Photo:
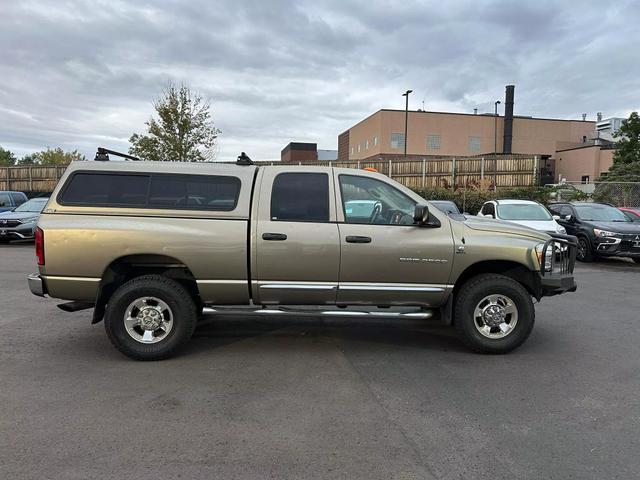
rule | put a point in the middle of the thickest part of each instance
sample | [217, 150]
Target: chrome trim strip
[223, 282]
[298, 286]
[72, 279]
[394, 287]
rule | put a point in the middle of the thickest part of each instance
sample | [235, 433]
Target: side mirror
[569, 218]
[421, 214]
[556, 217]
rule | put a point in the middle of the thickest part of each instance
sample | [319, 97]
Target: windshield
[600, 213]
[36, 205]
[445, 206]
[523, 211]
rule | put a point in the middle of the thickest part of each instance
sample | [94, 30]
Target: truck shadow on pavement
[217, 331]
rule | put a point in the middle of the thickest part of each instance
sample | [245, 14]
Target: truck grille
[562, 255]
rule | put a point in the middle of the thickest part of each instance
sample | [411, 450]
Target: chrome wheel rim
[495, 316]
[148, 320]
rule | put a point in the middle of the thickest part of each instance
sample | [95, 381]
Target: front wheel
[585, 252]
[494, 313]
[150, 317]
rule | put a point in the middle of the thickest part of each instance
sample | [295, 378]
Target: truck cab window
[300, 197]
[367, 200]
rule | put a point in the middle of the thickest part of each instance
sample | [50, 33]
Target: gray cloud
[79, 74]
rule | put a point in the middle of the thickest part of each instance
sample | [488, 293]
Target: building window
[375, 141]
[397, 140]
[351, 150]
[433, 142]
[474, 144]
[358, 148]
[366, 144]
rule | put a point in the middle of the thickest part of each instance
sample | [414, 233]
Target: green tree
[626, 159]
[29, 159]
[53, 156]
[7, 158]
[184, 130]
[628, 140]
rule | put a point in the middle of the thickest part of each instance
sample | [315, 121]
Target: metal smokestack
[508, 119]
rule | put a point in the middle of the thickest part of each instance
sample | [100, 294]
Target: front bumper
[21, 232]
[559, 254]
[36, 284]
[619, 246]
[556, 284]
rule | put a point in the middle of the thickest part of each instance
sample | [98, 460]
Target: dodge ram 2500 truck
[149, 245]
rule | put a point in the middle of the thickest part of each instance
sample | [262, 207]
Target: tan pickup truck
[150, 245]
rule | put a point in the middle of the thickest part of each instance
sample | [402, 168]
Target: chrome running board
[318, 311]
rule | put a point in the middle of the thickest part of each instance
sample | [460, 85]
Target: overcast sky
[80, 74]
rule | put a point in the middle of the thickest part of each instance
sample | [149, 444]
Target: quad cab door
[385, 258]
[295, 241]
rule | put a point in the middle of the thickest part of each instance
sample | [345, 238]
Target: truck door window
[370, 201]
[300, 197]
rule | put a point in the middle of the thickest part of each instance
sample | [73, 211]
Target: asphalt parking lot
[311, 398]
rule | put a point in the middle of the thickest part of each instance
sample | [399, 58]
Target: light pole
[495, 144]
[495, 128]
[406, 120]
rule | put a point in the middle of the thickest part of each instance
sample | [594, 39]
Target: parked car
[10, 200]
[446, 206]
[148, 245]
[632, 214]
[602, 230]
[20, 223]
[523, 212]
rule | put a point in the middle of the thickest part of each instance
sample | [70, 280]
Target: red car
[632, 214]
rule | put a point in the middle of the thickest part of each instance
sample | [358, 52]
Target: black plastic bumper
[555, 285]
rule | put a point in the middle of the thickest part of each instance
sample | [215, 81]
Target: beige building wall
[576, 163]
[372, 136]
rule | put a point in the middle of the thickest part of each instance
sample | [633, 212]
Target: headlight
[548, 256]
[603, 233]
[29, 220]
[562, 230]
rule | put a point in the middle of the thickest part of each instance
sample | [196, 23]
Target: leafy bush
[471, 200]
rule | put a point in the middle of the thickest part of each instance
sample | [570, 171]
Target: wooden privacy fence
[507, 170]
[31, 178]
[511, 171]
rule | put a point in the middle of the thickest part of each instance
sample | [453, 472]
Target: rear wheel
[150, 317]
[585, 252]
[494, 313]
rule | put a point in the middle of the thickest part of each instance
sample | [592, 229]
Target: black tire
[585, 252]
[176, 297]
[473, 292]
[4, 240]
